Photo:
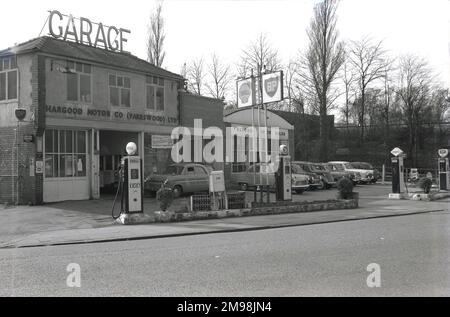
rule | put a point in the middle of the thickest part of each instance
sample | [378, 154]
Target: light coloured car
[256, 175]
[182, 178]
[338, 172]
[366, 175]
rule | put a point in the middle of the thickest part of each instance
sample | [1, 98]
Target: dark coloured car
[182, 178]
[326, 181]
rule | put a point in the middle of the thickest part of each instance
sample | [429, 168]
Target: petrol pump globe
[131, 148]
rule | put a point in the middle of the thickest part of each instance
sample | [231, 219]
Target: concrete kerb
[266, 227]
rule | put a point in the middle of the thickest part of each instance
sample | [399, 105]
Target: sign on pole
[246, 92]
[396, 152]
[443, 153]
[272, 87]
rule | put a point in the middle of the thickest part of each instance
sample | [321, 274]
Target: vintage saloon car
[368, 167]
[182, 178]
[366, 175]
[255, 174]
[338, 172]
[326, 181]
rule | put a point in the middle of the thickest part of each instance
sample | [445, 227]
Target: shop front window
[65, 153]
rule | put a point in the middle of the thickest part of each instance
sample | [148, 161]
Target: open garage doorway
[112, 149]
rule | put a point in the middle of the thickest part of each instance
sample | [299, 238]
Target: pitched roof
[49, 45]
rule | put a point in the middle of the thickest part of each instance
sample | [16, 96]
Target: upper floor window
[8, 78]
[119, 91]
[79, 82]
[155, 93]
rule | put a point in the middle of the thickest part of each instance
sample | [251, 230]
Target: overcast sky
[199, 28]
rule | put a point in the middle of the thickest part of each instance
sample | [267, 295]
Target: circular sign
[284, 149]
[244, 92]
[131, 148]
[443, 153]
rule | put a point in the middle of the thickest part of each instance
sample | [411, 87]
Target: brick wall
[17, 158]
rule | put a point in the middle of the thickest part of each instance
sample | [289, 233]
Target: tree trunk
[363, 100]
[323, 154]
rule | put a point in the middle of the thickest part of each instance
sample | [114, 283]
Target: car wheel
[243, 186]
[322, 185]
[177, 191]
[299, 191]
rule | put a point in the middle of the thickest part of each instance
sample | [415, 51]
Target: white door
[66, 175]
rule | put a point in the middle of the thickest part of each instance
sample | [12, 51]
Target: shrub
[345, 188]
[425, 184]
[164, 196]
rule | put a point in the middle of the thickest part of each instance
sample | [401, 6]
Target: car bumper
[152, 186]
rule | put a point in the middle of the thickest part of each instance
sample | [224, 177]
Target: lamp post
[20, 115]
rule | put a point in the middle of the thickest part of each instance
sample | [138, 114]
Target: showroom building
[83, 105]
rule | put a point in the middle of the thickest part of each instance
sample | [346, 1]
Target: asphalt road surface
[412, 252]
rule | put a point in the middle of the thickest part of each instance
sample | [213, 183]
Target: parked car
[369, 167]
[313, 179]
[182, 178]
[326, 181]
[366, 175]
[338, 172]
[255, 175]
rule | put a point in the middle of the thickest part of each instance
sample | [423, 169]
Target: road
[413, 253]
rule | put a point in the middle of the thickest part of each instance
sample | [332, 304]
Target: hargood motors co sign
[84, 31]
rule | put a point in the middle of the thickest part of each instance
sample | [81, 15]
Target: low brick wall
[270, 209]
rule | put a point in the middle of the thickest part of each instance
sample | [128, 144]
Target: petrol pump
[398, 178]
[283, 177]
[130, 185]
[443, 169]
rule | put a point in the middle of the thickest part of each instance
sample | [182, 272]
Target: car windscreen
[297, 169]
[305, 167]
[319, 168]
[366, 166]
[174, 170]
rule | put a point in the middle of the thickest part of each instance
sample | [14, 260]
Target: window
[65, 153]
[79, 82]
[155, 93]
[119, 91]
[200, 170]
[8, 78]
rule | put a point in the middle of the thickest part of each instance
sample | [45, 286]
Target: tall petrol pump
[130, 185]
[398, 178]
[443, 169]
[283, 176]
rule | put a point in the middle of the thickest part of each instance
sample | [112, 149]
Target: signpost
[271, 90]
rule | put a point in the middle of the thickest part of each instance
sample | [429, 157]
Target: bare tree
[348, 79]
[156, 37]
[369, 62]
[257, 58]
[414, 89]
[320, 65]
[219, 78]
[195, 75]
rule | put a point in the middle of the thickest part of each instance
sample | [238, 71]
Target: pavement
[90, 221]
